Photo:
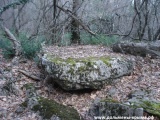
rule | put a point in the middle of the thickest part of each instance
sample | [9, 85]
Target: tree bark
[54, 32]
[75, 33]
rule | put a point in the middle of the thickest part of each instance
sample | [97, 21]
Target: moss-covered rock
[110, 107]
[47, 108]
[151, 107]
[139, 102]
[146, 100]
[84, 73]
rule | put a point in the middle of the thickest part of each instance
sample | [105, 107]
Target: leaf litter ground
[146, 76]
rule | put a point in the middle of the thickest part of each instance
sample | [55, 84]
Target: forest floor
[146, 76]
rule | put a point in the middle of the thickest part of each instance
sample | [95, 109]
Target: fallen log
[141, 48]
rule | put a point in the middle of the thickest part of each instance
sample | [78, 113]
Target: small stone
[112, 91]
[19, 110]
[139, 112]
[54, 117]
[4, 99]
[127, 103]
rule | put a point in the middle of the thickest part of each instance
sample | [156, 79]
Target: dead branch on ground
[30, 75]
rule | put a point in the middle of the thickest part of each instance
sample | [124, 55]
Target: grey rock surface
[109, 108]
[46, 108]
[139, 102]
[85, 73]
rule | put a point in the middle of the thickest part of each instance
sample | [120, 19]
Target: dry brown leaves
[146, 75]
[10, 103]
[80, 51]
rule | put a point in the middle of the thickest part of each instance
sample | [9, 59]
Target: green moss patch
[47, 108]
[28, 86]
[24, 104]
[151, 107]
[106, 60]
[53, 59]
[89, 61]
[87, 64]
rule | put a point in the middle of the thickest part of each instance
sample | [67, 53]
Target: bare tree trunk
[79, 21]
[55, 8]
[142, 10]
[75, 38]
[54, 21]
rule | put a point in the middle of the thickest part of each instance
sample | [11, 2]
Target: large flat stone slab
[87, 72]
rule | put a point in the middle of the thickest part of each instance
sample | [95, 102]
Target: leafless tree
[130, 19]
[74, 24]
[143, 20]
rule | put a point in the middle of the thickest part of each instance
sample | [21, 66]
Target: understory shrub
[98, 39]
[7, 49]
[89, 39]
[29, 47]
[65, 41]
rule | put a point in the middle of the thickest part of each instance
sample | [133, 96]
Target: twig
[30, 75]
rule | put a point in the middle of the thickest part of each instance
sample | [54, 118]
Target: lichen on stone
[89, 72]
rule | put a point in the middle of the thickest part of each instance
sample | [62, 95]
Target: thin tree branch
[77, 19]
